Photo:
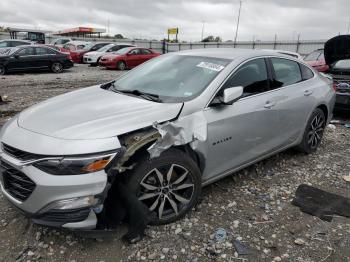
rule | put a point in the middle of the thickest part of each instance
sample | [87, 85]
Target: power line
[239, 17]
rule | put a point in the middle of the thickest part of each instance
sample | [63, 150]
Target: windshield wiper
[151, 97]
[148, 96]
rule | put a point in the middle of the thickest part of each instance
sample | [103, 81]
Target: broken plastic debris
[346, 178]
[220, 235]
[187, 130]
[332, 127]
[240, 248]
[320, 203]
[337, 122]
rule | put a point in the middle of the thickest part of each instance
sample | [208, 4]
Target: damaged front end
[121, 204]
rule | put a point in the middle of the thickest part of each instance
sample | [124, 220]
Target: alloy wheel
[316, 131]
[167, 190]
[121, 66]
[57, 67]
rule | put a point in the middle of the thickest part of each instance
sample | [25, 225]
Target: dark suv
[25, 58]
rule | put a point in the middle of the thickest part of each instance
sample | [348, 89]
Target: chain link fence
[302, 47]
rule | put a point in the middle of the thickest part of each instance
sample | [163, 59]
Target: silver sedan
[168, 127]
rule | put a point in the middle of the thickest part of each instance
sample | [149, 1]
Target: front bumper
[90, 60]
[49, 189]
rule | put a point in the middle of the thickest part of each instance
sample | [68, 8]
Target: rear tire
[313, 133]
[57, 67]
[121, 65]
[169, 185]
[2, 70]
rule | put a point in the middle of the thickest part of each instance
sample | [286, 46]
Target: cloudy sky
[260, 19]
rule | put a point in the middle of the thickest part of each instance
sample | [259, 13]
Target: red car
[316, 60]
[77, 55]
[128, 57]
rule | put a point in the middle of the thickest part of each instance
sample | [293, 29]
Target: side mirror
[231, 95]
[16, 56]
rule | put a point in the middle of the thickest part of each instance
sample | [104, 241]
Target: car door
[246, 130]
[43, 57]
[293, 96]
[23, 59]
[145, 55]
[134, 57]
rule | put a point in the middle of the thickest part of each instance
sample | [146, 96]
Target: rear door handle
[308, 92]
[269, 104]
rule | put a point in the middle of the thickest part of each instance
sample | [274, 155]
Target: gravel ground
[253, 206]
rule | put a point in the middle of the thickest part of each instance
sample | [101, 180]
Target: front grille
[342, 83]
[19, 154]
[16, 183]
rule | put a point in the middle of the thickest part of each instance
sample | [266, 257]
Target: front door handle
[308, 92]
[269, 104]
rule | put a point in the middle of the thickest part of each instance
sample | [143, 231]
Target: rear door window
[145, 52]
[306, 72]
[41, 51]
[287, 72]
[252, 76]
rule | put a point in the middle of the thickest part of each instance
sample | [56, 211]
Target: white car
[61, 41]
[93, 58]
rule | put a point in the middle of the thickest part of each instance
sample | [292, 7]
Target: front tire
[2, 70]
[314, 132]
[169, 185]
[121, 65]
[57, 67]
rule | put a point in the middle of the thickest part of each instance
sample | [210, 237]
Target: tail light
[334, 85]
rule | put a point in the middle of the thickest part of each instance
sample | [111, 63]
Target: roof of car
[16, 40]
[229, 53]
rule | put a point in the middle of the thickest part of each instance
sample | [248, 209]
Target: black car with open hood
[337, 56]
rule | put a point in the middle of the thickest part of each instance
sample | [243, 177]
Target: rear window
[287, 72]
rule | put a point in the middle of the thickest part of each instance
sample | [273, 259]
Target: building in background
[89, 32]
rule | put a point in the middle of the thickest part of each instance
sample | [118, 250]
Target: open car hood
[337, 48]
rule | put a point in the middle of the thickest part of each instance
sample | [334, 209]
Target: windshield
[342, 64]
[122, 51]
[105, 48]
[174, 78]
[88, 46]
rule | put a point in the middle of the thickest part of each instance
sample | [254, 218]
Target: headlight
[75, 165]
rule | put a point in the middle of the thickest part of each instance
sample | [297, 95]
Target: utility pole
[108, 27]
[203, 22]
[239, 17]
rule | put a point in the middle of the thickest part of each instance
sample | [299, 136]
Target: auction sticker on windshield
[211, 66]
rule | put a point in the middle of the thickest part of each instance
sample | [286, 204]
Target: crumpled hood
[93, 113]
[337, 48]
